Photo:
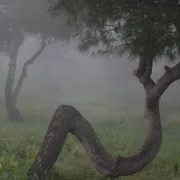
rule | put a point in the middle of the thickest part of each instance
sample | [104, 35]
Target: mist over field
[63, 74]
[103, 89]
[42, 68]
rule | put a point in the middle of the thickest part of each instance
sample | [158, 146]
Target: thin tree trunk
[24, 70]
[67, 119]
[12, 112]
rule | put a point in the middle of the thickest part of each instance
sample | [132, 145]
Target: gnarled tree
[147, 30]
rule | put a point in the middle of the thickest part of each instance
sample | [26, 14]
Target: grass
[121, 132]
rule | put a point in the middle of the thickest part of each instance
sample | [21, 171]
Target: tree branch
[143, 73]
[25, 67]
[68, 119]
[171, 75]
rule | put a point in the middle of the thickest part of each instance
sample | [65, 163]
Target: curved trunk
[67, 119]
[23, 74]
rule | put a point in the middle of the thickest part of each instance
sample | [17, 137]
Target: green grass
[121, 132]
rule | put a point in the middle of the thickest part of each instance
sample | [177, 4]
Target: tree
[147, 30]
[19, 19]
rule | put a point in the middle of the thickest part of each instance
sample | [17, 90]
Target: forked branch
[170, 75]
[143, 73]
[67, 119]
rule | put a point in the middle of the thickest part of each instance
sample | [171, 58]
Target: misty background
[42, 68]
[63, 75]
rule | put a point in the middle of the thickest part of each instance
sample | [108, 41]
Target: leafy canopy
[137, 27]
[32, 18]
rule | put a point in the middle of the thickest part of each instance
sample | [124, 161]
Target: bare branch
[25, 67]
[143, 73]
[171, 75]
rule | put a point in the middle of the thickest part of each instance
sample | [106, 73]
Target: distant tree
[19, 19]
[147, 30]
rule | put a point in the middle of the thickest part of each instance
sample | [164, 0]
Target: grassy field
[121, 130]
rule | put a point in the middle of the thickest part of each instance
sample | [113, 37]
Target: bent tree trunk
[12, 112]
[11, 96]
[67, 119]
[23, 74]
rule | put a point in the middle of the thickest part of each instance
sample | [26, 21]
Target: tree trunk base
[68, 119]
[14, 115]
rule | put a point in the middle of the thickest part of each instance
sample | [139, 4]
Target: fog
[41, 68]
[61, 74]
[65, 75]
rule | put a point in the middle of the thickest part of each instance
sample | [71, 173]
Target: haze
[64, 75]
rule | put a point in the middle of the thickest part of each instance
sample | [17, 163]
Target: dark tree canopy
[137, 27]
[32, 18]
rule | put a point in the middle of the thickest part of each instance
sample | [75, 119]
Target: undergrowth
[120, 134]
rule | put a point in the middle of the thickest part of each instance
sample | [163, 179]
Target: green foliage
[145, 28]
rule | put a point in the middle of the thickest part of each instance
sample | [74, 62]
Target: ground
[121, 131]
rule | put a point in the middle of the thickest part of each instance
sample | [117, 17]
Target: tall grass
[121, 130]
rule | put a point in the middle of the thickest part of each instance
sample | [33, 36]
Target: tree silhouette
[19, 19]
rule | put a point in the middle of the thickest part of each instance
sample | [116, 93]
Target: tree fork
[68, 119]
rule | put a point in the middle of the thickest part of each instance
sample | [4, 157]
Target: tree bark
[12, 112]
[67, 119]
[145, 66]
[25, 68]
